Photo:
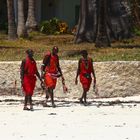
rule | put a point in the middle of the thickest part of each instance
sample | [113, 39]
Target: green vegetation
[126, 50]
[53, 26]
[136, 31]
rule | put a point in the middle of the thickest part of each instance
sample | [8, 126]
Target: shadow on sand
[69, 103]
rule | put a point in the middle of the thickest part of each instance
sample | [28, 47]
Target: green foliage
[127, 41]
[136, 31]
[53, 26]
[50, 27]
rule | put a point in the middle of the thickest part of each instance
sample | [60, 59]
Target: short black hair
[84, 52]
[29, 51]
[55, 48]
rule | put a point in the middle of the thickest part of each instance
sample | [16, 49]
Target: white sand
[71, 121]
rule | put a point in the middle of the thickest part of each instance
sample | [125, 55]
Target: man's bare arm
[78, 72]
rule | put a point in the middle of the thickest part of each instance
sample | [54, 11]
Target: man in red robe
[85, 69]
[50, 72]
[28, 73]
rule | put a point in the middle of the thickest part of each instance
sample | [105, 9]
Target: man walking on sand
[51, 70]
[28, 73]
[85, 69]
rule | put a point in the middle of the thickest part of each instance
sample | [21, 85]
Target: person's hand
[42, 85]
[65, 89]
[76, 81]
[42, 75]
[63, 80]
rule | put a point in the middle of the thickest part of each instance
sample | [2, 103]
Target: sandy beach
[102, 119]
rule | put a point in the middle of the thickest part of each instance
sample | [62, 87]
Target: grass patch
[127, 50]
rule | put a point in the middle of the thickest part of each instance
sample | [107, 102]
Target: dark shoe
[26, 108]
[81, 101]
[53, 105]
[31, 109]
[45, 105]
[85, 103]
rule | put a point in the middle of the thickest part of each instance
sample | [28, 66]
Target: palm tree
[102, 21]
[21, 29]
[11, 20]
[31, 22]
[135, 8]
[87, 19]
[102, 38]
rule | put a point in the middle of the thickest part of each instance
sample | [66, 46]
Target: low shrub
[136, 31]
[53, 26]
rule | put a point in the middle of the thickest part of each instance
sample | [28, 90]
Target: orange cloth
[50, 80]
[29, 79]
[85, 73]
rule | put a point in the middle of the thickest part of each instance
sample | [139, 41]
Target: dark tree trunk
[21, 28]
[135, 8]
[11, 20]
[102, 38]
[120, 19]
[114, 23]
[31, 22]
[3, 14]
[86, 31]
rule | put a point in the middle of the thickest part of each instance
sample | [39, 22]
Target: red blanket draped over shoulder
[51, 70]
[29, 80]
[85, 73]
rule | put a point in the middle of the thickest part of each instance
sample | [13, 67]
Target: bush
[53, 26]
[136, 31]
[63, 27]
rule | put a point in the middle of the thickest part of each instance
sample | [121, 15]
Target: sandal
[26, 108]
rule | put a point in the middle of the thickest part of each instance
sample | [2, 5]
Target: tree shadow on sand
[69, 103]
[65, 103]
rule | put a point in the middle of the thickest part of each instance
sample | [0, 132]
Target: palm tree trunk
[103, 20]
[31, 22]
[11, 20]
[102, 39]
[21, 29]
[87, 21]
[136, 12]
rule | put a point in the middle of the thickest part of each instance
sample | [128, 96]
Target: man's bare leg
[81, 99]
[30, 101]
[85, 98]
[52, 97]
[25, 103]
[46, 99]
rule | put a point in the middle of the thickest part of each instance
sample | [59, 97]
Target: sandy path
[71, 121]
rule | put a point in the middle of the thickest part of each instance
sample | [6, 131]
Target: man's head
[47, 53]
[55, 50]
[30, 53]
[84, 53]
